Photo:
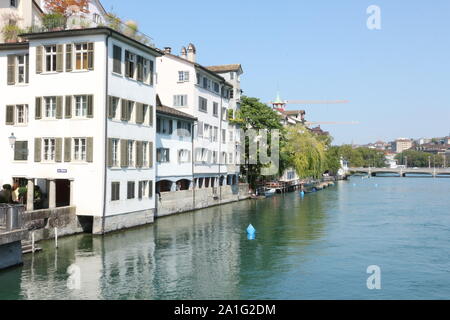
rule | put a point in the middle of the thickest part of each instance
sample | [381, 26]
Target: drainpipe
[192, 164]
[105, 175]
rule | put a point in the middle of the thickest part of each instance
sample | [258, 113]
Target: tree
[306, 152]
[420, 159]
[256, 115]
[65, 7]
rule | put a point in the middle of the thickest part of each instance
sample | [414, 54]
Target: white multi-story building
[187, 86]
[79, 107]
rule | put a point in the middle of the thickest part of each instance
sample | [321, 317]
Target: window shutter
[110, 107]
[139, 154]
[90, 106]
[124, 110]
[11, 69]
[68, 111]
[39, 57]
[110, 152]
[38, 108]
[170, 126]
[37, 149]
[91, 56]
[67, 149]
[9, 115]
[124, 153]
[58, 149]
[59, 107]
[130, 103]
[150, 189]
[150, 154]
[140, 189]
[151, 71]
[69, 57]
[90, 149]
[27, 68]
[150, 115]
[60, 58]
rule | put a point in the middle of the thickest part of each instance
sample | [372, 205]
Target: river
[318, 247]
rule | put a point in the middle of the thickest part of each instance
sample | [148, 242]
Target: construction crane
[308, 123]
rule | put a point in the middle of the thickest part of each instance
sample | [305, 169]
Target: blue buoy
[302, 194]
[251, 236]
[251, 230]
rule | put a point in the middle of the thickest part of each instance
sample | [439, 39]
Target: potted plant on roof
[113, 22]
[11, 33]
[54, 21]
[131, 29]
[61, 10]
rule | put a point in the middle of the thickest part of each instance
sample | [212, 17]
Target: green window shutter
[9, 115]
[59, 107]
[91, 56]
[124, 153]
[58, 149]
[38, 108]
[150, 154]
[110, 152]
[90, 149]
[68, 110]
[124, 110]
[60, 58]
[11, 69]
[37, 149]
[110, 107]
[39, 59]
[90, 106]
[67, 149]
[69, 57]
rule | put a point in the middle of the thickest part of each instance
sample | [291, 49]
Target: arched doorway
[164, 186]
[221, 180]
[183, 184]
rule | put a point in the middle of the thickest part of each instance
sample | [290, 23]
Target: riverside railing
[79, 22]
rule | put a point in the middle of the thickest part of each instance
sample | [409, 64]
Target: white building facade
[185, 85]
[80, 105]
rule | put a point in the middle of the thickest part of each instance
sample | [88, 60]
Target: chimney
[184, 53]
[191, 53]
[167, 50]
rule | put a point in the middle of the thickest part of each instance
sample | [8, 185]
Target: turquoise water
[318, 247]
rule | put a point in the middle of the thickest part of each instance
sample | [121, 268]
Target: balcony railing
[78, 22]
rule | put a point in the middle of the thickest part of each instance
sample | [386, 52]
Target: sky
[396, 78]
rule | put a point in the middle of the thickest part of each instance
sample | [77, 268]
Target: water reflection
[200, 255]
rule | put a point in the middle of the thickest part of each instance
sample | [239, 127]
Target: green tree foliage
[363, 157]
[420, 159]
[305, 152]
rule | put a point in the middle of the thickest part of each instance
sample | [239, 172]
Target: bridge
[403, 172]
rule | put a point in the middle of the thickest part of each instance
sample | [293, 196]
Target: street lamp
[12, 140]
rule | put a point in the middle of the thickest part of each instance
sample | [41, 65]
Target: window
[216, 134]
[22, 69]
[184, 156]
[163, 155]
[215, 109]
[224, 158]
[81, 56]
[13, 3]
[21, 151]
[145, 162]
[143, 185]
[199, 79]
[117, 60]
[183, 76]
[224, 114]
[131, 153]
[180, 100]
[231, 93]
[214, 157]
[50, 107]
[205, 82]
[164, 126]
[79, 149]
[80, 106]
[147, 73]
[231, 136]
[206, 131]
[183, 128]
[202, 155]
[50, 58]
[224, 136]
[21, 114]
[200, 129]
[232, 75]
[216, 87]
[130, 64]
[202, 104]
[131, 190]
[49, 150]
[115, 152]
[114, 107]
[230, 157]
[130, 105]
[115, 191]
